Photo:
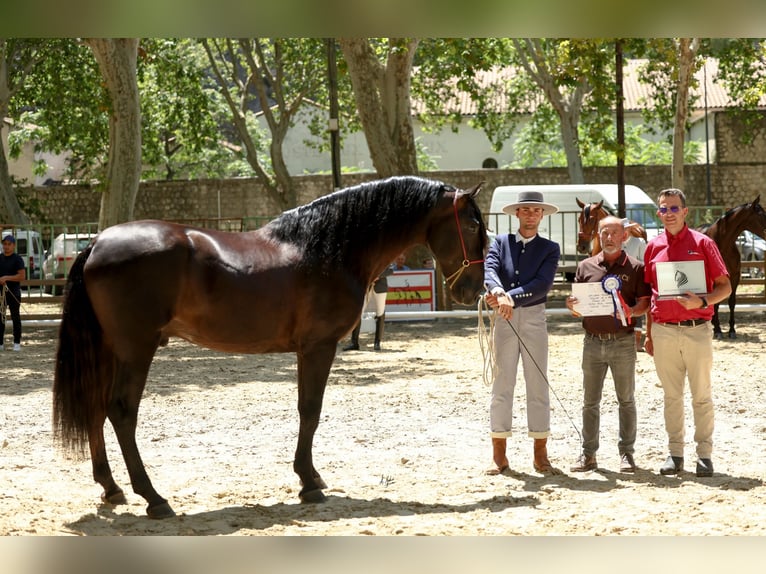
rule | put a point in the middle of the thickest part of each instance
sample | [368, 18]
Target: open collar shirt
[687, 245]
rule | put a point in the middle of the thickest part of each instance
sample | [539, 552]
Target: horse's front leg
[313, 370]
[717, 333]
[732, 304]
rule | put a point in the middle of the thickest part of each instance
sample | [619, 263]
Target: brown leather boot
[541, 463]
[498, 455]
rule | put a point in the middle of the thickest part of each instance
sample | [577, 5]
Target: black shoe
[704, 467]
[673, 465]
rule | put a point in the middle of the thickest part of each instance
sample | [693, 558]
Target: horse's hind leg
[732, 304]
[102, 473]
[130, 379]
[313, 370]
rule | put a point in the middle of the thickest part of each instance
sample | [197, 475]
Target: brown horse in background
[724, 231]
[587, 236]
[296, 285]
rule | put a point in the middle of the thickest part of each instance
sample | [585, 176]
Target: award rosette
[611, 284]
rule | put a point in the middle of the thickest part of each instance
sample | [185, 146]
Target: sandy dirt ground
[402, 445]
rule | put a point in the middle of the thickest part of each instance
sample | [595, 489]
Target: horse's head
[458, 239]
[758, 218]
[590, 215]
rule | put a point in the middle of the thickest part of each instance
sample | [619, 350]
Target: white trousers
[530, 324]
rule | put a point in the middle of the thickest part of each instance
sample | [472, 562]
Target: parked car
[752, 248]
[65, 247]
[29, 245]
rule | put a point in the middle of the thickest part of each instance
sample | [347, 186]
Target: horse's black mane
[369, 213]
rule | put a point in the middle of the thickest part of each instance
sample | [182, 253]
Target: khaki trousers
[680, 353]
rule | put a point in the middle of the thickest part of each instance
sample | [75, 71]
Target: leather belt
[687, 323]
[607, 336]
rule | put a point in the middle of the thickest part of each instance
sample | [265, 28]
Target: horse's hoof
[732, 335]
[114, 497]
[718, 336]
[312, 496]
[161, 510]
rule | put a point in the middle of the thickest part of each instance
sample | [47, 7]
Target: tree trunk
[117, 61]
[10, 210]
[566, 105]
[571, 141]
[382, 96]
[687, 50]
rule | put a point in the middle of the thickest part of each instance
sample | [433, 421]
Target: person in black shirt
[12, 272]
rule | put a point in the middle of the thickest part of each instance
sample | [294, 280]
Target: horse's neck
[595, 248]
[733, 225]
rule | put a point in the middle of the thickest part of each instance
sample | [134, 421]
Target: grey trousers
[619, 356]
[530, 324]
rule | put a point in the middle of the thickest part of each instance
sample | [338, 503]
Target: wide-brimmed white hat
[530, 199]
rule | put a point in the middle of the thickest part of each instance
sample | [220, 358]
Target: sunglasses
[672, 209]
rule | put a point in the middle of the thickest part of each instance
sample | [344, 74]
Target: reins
[453, 278]
[3, 303]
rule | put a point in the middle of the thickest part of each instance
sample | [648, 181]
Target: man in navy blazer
[518, 272]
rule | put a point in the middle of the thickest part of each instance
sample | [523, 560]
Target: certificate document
[592, 300]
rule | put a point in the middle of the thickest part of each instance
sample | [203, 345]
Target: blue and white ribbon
[611, 284]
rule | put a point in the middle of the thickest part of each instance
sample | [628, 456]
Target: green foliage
[539, 145]
[272, 77]
[63, 107]
[742, 69]
[179, 130]
[426, 162]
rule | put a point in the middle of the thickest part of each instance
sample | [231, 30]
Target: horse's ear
[600, 204]
[474, 191]
[757, 199]
[580, 203]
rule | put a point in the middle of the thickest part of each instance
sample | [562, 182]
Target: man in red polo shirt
[679, 334]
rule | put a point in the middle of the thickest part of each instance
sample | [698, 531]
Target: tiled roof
[636, 94]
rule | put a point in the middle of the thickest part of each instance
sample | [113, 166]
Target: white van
[562, 227]
[29, 245]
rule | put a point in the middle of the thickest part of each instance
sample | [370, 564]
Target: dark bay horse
[587, 235]
[724, 231]
[296, 285]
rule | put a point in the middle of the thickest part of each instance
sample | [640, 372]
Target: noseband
[452, 279]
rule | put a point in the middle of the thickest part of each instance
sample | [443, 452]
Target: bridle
[466, 263]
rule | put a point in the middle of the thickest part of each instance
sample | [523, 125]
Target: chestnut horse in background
[296, 285]
[587, 236]
[724, 231]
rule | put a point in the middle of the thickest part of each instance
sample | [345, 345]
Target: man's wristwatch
[704, 303]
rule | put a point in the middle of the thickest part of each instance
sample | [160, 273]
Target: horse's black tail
[80, 388]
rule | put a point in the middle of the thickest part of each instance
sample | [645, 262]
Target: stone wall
[737, 178]
[244, 198]
[740, 141]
